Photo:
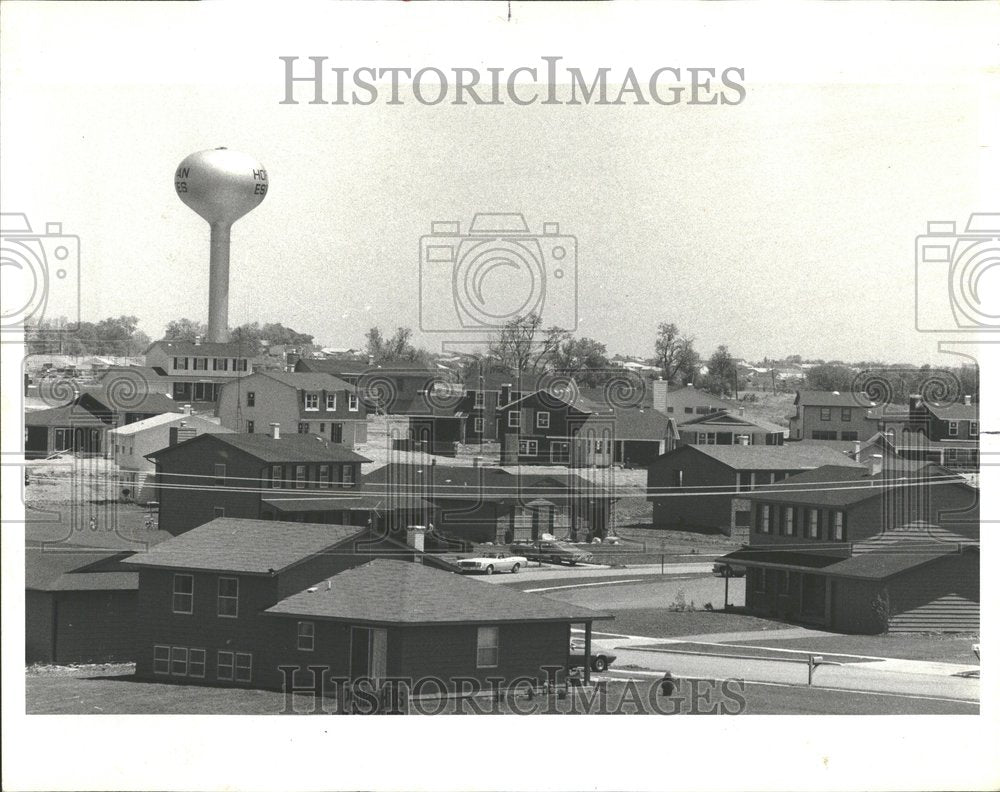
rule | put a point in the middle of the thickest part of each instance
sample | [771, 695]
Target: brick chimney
[276, 431]
[875, 465]
[415, 537]
[660, 389]
[968, 399]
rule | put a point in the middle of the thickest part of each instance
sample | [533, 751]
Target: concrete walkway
[583, 572]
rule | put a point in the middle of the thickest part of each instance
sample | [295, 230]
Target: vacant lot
[115, 525]
[661, 623]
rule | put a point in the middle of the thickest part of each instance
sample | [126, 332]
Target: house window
[337, 432]
[542, 420]
[224, 662]
[952, 428]
[178, 661]
[250, 427]
[821, 434]
[689, 409]
[276, 476]
[710, 438]
[477, 425]
[845, 414]
[838, 526]
[480, 400]
[304, 428]
[220, 364]
[201, 364]
[196, 663]
[229, 597]
[244, 667]
[678, 478]
[183, 594]
[744, 481]
[488, 647]
[514, 419]
[251, 398]
[347, 475]
[300, 477]
[181, 363]
[312, 402]
[789, 521]
[352, 402]
[306, 636]
[220, 473]
[702, 438]
[953, 455]
[813, 524]
[161, 659]
[764, 518]
[331, 402]
[824, 413]
[527, 447]
[974, 429]
[324, 476]
[219, 511]
[849, 435]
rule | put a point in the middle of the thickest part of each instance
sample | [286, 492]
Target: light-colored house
[130, 444]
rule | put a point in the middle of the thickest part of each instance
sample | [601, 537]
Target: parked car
[488, 563]
[551, 551]
[599, 661]
[727, 570]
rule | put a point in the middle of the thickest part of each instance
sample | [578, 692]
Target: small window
[178, 661]
[352, 402]
[845, 414]
[276, 476]
[514, 419]
[480, 400]
[764, 526]
[219, 511]
[183, 601]
[974, 429]
[220, 364]
[220, 474]
[324, 476]
[196, 663]
[331, 402]
[527, 448]
[711, 438]
[304, 428]
[789, 522]
[824, 413]
[306, 636]
[161, 659]
[300, 477]
[852, 435]
[477, 425]
[488, 647]
[312, 402]
[251, 398]
[744, 481]
[813, 524]
[952, 428]
[224, 666]
[229, 597]
[542, 420]
[250, 427]
[689, 410]
[244, 667]
[347, 475]
[838, 526]
[702, 438]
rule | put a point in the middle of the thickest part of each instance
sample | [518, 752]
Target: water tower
[221, 186]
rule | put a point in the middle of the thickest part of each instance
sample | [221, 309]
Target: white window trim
[220, 597]
[530, 448]
[538, 419]
[220, 665]
[352, 402]
[312, 398]
[838, 526]
[236, 667]
[300, 481]
[331, 402]
[175, 594]
[813, 527]
[477, 424]
[514, 419]
[952, 428]
[180, 652]
[494, 647]
[163, 658]
[203, 663]
[480, 400]
[973, 428]
[311, 636]
[765, 518]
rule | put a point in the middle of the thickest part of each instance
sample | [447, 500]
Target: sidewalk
[585, 571]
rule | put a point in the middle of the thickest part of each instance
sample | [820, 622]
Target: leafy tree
[675, 354]
[722, 378]
[830, 377]
[585, 359]
[397, 347]
[184, 330]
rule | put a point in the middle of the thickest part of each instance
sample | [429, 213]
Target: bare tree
[675, 353]
[522, 345]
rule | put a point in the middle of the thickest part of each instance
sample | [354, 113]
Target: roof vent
[836, 393]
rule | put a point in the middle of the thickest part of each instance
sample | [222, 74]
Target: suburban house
[705, 487]
[197, 370]
[947, 434]
[483, 393]
[386, 389]
[686, 400]
[429, 424]
[722, 428]
[304, 403]
[866, 550]
[832, 415]
[81, 425]
[391, 619]
[202, 595]
[488, 504]
[129, 446]
[79, 605]
[234, 475]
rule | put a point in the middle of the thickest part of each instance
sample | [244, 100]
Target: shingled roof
[310, 381]
[287, 448]
[818, 398]
[791, 456]
[402, 593]
[256, 547]
[869, 566]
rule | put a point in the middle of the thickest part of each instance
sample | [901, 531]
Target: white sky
[783, 225]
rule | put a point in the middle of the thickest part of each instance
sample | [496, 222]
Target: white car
[488, 563]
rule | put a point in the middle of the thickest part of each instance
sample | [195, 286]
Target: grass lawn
[943, 648]
[660, 623]
[116, 525]
[762, 652]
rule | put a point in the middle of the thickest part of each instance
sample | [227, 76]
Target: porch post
[586, 652]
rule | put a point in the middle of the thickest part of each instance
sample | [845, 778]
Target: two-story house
[234, 475]
[683, 402]
[947, 434]
[706, 487]
[865, 549]
[252, 604]
[483, 393]
[540, 428]
[303, 403]
[197, 370]
[833, 415]
[388, 389]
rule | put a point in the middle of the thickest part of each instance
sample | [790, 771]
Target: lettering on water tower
[180, 180]
[260, 182]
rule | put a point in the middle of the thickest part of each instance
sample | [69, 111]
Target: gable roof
[204, 349]
[288, 448]
[953, 412]
[120, 399]
[790, 456]
[725, 418]
[868, 566]
[169, 418]
[845, 486]
[74, 568]
[310, 380]
[818, 398]
[67, 415]
[403, 593]
[494, 380]
[256, 547]
[631, 423]
[404, 368]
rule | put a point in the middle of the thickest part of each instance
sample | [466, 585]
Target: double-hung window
[514, 419]
[229, 597]
[331, 402]
[488, 647]
[352, 402]
[542, 420]
[306, 636]
[183, 599]
[312, 402]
